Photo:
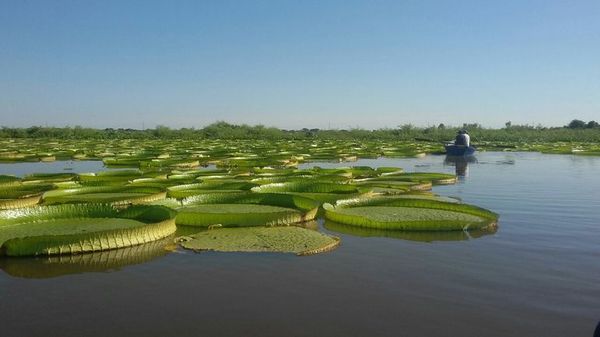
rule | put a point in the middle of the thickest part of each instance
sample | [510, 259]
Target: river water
[538, 275]
[61, 166]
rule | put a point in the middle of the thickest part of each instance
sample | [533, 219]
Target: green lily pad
[183, 191]
[22, 195]
[41, 267]
[8, 180]
[237, 215]
[118, 195]
[402, 213]
[262, 239]
[409, 214]
[419, 236]
[246, 209]
[79, 228]
[306, 187]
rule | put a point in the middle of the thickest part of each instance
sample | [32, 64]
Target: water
[538, 275]
[75, 166]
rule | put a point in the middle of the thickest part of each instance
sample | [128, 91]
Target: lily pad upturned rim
[155, 222]
[446, 222]
[418, 236]
[43, 267]
[238, 215]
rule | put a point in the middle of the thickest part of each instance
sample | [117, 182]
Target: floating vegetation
[109, 260]
[183, 191]
[410, 214]
[186, 154]
[116, 195]
[8, 180]
[419, 236]
[237, 215]
[307, 187]
[224, 195]
[246, 209]
[80, 228]
[299, 241]
[17, 193]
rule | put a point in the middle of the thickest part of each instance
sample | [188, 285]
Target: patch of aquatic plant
[114, 177]
[49, 177]
[183, 191]
[16, 194]
[403, 213]
[418, 177]
[8, 180]
[79, 228]
[301, 203]
[391, 186]
[420, 236]
[248, 185]
[117, 195]
[306, 187]
[185, 153]
[328, 197]
[237, 215]
[290, 239]
[41, 267]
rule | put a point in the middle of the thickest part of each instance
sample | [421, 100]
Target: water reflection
[423, 236]
[461, 163]
[106, 261]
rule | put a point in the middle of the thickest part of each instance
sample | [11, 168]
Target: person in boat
[467, 138]
[463, 138]
[460, 138]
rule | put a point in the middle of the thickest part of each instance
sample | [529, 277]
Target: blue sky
[295, 64]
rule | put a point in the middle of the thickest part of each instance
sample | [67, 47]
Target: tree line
[576, 130]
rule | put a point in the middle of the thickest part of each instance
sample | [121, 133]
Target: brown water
[539, 275]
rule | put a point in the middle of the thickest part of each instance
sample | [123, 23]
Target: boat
[459, 150]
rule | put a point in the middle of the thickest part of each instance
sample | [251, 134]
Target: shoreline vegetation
[575, 131]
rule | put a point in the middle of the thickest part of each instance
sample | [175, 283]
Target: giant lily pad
[22, 195]
[246, 209]
[404, 213]
[182, 191]
[237, 215]
[118, 195]
[291, 239]
[8, 180]
[102, 261]
[306, 187]
[420, 236]
[79, 228]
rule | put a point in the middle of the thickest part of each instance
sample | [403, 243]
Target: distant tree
[31, 131]
[592, 124]
[576, 124]
[406, 127]
[441, 126]
[508, 124]
[468, 126]
[161, 131]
